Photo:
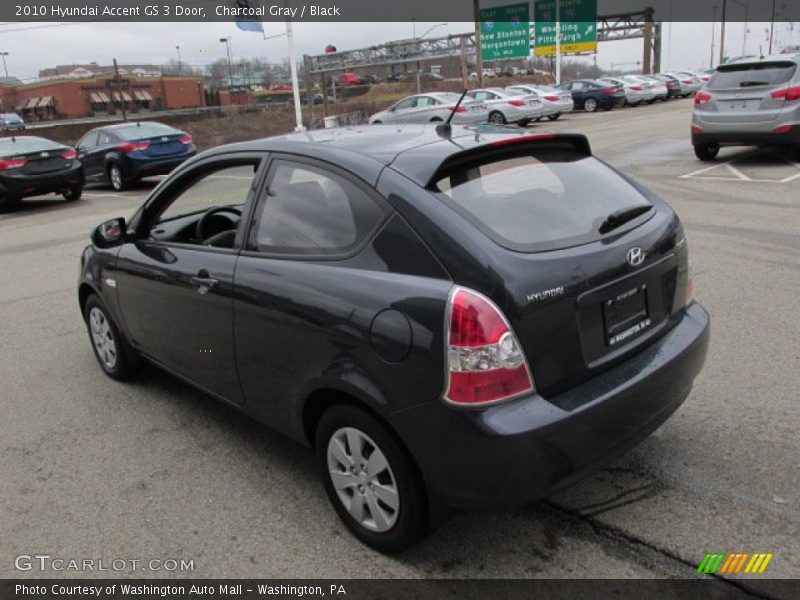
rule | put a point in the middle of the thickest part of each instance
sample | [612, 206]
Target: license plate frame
[626, 315]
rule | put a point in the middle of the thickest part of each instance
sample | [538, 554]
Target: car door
[87, 154]
[402, 109]
[580, 91]
[175, 294]
[290, 320]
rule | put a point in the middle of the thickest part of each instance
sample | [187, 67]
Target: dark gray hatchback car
[452, 321]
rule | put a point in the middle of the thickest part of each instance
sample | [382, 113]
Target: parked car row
[116, 155]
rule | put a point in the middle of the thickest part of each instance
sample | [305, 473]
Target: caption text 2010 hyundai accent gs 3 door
[451, 322]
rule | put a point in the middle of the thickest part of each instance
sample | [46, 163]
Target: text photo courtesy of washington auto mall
[470, 299]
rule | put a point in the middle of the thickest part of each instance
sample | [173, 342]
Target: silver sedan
[433, 107]
[508, 106]
[554, 102]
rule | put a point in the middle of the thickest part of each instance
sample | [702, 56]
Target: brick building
[73, 98]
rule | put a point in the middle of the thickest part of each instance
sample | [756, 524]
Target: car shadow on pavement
[534, 541]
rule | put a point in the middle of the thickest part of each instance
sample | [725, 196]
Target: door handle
[203, 282]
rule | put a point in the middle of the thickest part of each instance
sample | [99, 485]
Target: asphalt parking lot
[152, 469]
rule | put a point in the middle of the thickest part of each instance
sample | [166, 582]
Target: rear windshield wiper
[752, 83]
[622, 216]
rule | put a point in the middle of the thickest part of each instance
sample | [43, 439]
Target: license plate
[742, 104]
[626, 315]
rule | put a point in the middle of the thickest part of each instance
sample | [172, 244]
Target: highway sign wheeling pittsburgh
[505, 32]
[578, 26]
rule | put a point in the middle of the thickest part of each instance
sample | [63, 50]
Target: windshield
[555, 198]
[753, 74]
[26, 145]
[144, 130]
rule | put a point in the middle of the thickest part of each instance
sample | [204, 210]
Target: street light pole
[713, 33]
[5, 68]
[180, 67]
[227, 42]
[722, 33]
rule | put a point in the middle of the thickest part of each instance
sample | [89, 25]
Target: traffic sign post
[505, 32]
[578, 19]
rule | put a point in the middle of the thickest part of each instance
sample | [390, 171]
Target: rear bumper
[511, 454]
[728, 137]
[135, 168]
[21, 185]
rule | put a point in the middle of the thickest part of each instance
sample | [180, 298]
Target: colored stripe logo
[721, 563]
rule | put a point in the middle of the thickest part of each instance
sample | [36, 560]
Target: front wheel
[116, 357]
[706, 152]
[73, 193]
[7, 201]
[590, 105]
[370, 479]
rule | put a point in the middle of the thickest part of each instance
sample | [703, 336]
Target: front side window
[310, 211]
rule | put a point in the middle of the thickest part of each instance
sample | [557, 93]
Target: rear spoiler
[523, 142]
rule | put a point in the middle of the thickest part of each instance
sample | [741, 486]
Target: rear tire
[554, 117]
[394, 490]
[118, 359]
[590, 105]
[73, 193]
[706, 152]
[115, 178]
[7, 202]
[497, 118]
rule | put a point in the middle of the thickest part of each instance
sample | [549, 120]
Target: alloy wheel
[116, 177]
[363, 479]
[590, 105]
[103, 338]
[497, 118]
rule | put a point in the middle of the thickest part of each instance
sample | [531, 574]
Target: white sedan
[433, 107]
[508, 106]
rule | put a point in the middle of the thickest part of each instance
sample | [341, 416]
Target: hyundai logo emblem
[635, 256]
[44, 154]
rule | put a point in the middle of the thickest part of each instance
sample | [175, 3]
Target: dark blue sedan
[122, 154]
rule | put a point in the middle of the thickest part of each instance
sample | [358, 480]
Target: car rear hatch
[45, 161]
[588, 266]
[747, 92]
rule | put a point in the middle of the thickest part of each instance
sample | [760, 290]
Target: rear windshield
[753, 74]
[26, 145]
[144, 130]
[552, 199]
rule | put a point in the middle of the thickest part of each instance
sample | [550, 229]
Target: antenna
[444, 129]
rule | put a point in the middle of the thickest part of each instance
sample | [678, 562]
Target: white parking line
[739, 176]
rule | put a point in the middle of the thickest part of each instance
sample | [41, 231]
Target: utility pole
[558, 42]
[5, 68]
[771, 27]
[180, 66]
[118, 87]
[722, 33]
[476, 10]
[713, 33]
[227, 42]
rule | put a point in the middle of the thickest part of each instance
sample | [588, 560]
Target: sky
[32, 47]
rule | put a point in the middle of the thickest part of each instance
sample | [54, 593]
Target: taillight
[782, 129]
[70, 154]
[458, 109]
[516, 102]
[13, 163]
[186, 140]
[688, 81]
[484, 358]
[788, 94]
[697, 129]
[702, 97]
[552, 98]
[636, 87]
[609, 91]
[127, 147]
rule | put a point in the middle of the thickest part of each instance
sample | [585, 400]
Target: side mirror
[111, 233]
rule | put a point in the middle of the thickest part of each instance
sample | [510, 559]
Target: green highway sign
[505, 32]
[578, 26]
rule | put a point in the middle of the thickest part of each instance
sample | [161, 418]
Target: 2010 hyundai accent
[453, 319]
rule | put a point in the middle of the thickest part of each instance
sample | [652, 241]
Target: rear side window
[552, 199]
[311, 211]
[754, 74]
